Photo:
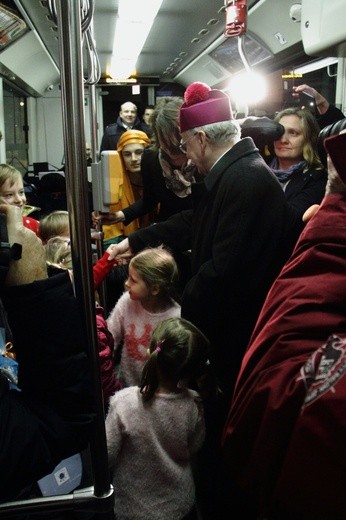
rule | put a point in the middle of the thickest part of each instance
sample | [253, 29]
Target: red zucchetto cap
[203, 106]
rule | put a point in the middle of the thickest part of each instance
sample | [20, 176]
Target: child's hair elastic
[158, 346]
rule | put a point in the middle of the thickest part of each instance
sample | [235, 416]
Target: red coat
[286, 430]
[109, 381]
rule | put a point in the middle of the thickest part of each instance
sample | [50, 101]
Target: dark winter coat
[304, 189]
[48, 420]
[113, 132]
[238, 233]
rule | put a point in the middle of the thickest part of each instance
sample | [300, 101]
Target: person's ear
[202, 138]
[155, 289]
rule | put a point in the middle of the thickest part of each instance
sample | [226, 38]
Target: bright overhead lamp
[315, 65]
[135, 19]
[247, 88]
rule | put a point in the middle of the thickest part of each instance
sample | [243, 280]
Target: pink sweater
[150, 445]
[131, 323]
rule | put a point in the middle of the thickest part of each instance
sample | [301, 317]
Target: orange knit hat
[133, 137]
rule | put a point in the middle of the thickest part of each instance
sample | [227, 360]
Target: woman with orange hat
[167, 174]
[130, 147]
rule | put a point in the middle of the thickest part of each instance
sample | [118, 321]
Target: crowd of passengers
[219, 349]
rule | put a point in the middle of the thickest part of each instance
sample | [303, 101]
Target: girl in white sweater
[152, 277]
[154, 429]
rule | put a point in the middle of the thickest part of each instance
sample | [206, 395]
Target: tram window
[15, 129]
[323, 80]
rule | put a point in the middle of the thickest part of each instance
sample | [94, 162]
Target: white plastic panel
[323, 27]
[29, 60]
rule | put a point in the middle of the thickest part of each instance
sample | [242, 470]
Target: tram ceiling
[182, 33]
[185, 41]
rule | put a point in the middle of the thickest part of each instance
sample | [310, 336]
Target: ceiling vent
[227, 54]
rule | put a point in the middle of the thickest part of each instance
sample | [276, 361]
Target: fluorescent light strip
[315, 65]
[134, 22]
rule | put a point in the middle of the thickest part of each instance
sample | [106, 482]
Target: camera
[50, 88]
[328, 131]
[296, 13]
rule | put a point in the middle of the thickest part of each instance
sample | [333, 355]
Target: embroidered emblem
[324, 369]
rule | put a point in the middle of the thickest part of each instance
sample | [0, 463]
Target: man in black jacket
[127, 120]
[48, 419]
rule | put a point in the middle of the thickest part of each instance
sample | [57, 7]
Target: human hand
[121, 251]
[99, 217]
[112, 252]
[321, 103]
[305, 89]
[32, 265]
[310, 212]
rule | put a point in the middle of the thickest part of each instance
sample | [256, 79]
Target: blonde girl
[148, 300]
[54, 224]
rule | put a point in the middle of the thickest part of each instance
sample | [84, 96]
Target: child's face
[13, 195]
[137, 288]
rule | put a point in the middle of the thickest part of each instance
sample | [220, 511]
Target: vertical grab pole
[72, 92]
[94, 151]
[93, 122]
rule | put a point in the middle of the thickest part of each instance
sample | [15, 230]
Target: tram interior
[285, 43]
[280, 38]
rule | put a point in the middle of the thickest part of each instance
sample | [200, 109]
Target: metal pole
[79, 500]
[72, 91]
[93, 122]
[99, 498]
[94, 148]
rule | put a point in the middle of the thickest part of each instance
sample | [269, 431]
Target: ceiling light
[247, 88]
[315, 65]
[134, 21]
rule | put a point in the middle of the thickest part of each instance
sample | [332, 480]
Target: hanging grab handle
[236, 18]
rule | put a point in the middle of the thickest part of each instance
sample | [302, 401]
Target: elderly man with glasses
[239, 234]
[238, 230]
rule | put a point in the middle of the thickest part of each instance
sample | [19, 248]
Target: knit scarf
[177, 180]
[284, 176]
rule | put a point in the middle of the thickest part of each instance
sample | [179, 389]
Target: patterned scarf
[177, 180]
[284, 176]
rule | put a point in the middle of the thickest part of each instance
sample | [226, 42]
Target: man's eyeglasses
[182, 145]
